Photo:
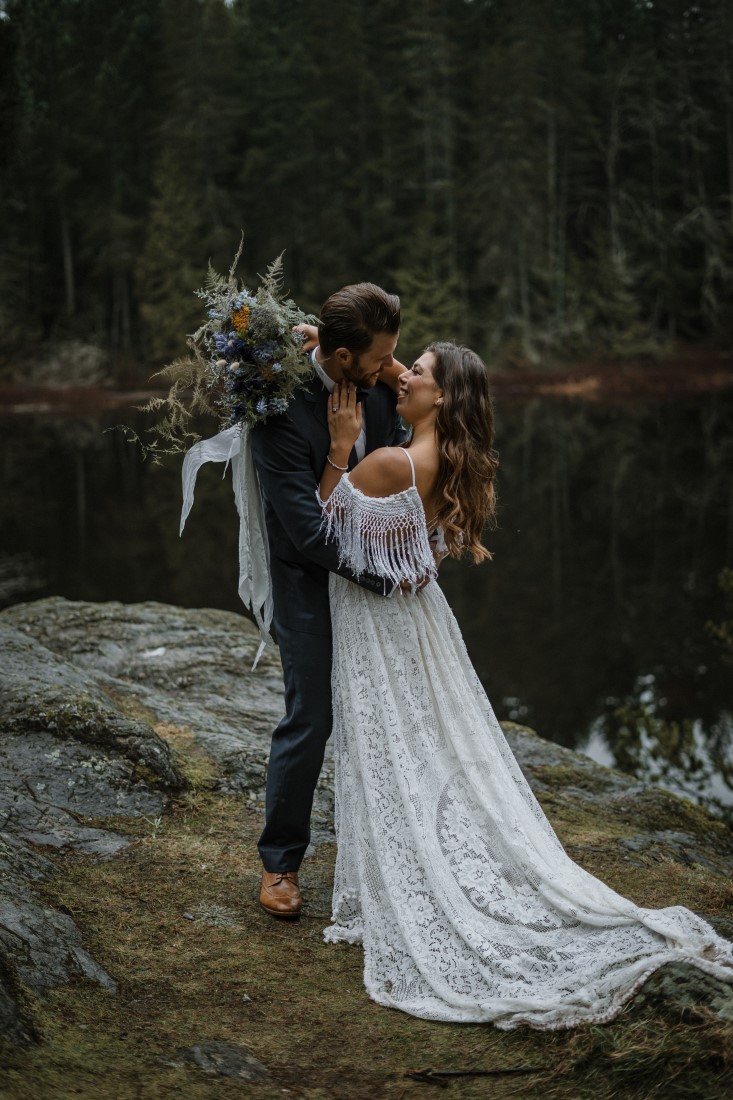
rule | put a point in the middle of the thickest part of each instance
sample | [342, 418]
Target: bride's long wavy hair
[468, 462]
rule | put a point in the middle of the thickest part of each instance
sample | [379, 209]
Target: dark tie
[361, 395]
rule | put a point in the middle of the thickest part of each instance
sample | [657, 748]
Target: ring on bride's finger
[334, 408]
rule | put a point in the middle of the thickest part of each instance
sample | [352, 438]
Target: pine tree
[190, 218]
[429, 292]
[171, 265]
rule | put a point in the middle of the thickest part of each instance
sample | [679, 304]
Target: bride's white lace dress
[447, 870]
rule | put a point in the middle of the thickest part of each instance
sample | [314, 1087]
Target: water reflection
[589, 625]
[615, 524]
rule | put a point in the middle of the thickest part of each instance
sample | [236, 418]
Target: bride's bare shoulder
[382, 473]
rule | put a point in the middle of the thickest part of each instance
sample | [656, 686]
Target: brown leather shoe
[280, 893]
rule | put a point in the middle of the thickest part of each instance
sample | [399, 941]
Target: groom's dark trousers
[290, 452]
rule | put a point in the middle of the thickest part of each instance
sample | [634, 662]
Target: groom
[357, 333]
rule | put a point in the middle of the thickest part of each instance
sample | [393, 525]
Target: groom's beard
[358, 376]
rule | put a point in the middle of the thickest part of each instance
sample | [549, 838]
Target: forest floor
[174, 918]
[682, 374]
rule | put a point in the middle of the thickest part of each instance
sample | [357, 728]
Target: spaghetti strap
[412, 466]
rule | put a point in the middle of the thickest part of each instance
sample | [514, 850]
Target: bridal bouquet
[246, 361]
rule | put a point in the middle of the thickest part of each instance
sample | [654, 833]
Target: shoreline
[623, 381]
[610, 382]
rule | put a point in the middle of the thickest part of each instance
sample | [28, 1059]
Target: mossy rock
[173, 917]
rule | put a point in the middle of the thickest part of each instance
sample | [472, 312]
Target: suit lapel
[314, 396]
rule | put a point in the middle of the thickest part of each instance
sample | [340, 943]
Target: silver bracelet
[343, 469]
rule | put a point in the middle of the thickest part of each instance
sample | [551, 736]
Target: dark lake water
[592, 624]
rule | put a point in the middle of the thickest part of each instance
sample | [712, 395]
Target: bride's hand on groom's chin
[344, 418]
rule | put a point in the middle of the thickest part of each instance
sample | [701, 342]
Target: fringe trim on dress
[385, 536]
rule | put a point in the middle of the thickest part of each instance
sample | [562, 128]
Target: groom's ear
[343, 357]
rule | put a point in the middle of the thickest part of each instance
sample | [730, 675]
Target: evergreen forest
[546, 181]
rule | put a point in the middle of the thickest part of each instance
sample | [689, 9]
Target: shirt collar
[327, 382]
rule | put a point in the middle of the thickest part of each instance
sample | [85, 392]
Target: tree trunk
[612, 151]
[68, 263]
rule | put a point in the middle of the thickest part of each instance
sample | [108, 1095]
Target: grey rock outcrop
[180, 667]
[67, 753]
[223, 1059]
[12, 1024]
[39, 947]
[83, 688]
[674, 828]
[683, 987]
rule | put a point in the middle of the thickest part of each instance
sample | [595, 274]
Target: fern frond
[236, 259]
[272, 282]
[183, 371]
[152, 405]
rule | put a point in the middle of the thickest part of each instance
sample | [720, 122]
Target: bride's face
[418, 396]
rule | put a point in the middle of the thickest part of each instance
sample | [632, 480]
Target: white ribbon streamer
[255, 585]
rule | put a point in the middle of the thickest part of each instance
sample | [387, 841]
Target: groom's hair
[353, 316]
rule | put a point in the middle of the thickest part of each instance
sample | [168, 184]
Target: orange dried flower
[240, 318]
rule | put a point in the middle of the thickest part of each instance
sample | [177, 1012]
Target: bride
[447, 871]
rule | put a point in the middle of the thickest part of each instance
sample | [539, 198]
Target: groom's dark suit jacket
[290, 452]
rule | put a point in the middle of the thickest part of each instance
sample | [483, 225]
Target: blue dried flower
[262, 406]
[238, 411]
[232, 370]
[276, 368]
[265, 352]
[223, 341]
[235, 346]
[230, 345]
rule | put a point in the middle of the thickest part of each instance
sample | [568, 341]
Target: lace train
[447, 870]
